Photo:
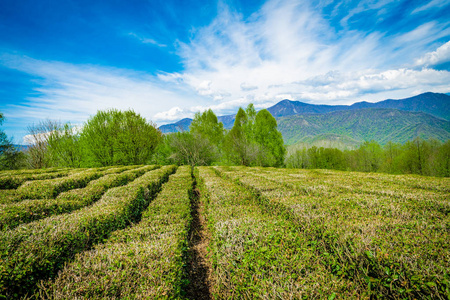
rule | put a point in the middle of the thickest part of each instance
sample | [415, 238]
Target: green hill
[351, 126]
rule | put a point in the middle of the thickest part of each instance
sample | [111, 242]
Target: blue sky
[64, 60]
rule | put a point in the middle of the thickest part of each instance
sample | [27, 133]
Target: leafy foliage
[185, 148]
[424, 157]
[36, 251]
[207, 126]
[64, 147]
[10, 158]
[114, 137]
[381, 125]
[254, 139]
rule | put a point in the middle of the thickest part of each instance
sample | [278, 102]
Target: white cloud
[287, 49]
[173, 114]
[441, 55]
[365, 6]
[248, 87]
[431, 4]
[70, 92]
[146, 40]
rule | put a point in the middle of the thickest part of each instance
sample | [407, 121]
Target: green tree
[391, 158]
[64, 147]
[254, 139]
[414, 155]
[298, 159]
[10, 157]
[236, 141]
[114, 137]
[269, 139]
[369, 156]
[186, 148]
[443, 160]
[205, 126]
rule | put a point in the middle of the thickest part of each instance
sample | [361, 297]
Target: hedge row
[27, 211]
[37, 250]
[141, 262]
[8, 196]
[30, 171]
[388, 240]
[258, 254]
[14, 181]
[46, 189]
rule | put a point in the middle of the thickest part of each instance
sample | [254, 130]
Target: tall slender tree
[254, 139]
[269, 139]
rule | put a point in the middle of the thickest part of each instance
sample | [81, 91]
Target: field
[152, 232]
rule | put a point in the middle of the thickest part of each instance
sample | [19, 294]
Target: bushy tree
[186, 148]
[442, 159]
[425, 157]
[236, 141]
[254, 139]
[206, 127]
[114, 137]
[10, 157]
[38, 154]
[369, 156]
[64, 147]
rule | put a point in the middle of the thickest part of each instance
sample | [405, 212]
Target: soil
[198, 266]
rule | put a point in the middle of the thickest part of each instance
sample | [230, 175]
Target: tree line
[114, 137]
[252, 141]
[419, 156]
[110, 137]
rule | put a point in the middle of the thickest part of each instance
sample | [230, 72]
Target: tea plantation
[128, 233]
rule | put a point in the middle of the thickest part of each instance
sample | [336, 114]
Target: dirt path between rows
[198, 266]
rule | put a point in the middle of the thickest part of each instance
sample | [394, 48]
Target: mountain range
[426, 115]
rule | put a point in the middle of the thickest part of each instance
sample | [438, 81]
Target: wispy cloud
[289, 50]
[431, 4]
[75, 92]
[146, 40]
[286, 49]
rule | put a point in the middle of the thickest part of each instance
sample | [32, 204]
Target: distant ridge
[435, 104]
[379, 124]
[428, 117]
[182, 125]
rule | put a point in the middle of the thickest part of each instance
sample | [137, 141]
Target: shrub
[144, 261]
[37, 250]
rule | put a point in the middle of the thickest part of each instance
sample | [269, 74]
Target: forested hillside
[381, 125]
